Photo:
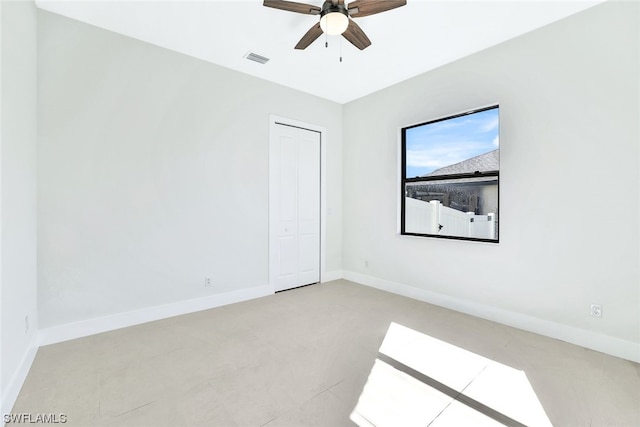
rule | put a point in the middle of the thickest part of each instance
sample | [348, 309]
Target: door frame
[275, 120]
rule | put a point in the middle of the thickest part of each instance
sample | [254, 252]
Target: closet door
[295, 230]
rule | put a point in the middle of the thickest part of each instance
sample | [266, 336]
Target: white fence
[433, 218]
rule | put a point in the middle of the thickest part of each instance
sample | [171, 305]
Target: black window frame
[477, 174]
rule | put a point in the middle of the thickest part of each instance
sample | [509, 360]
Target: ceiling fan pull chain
[340, 49]
[326, 40]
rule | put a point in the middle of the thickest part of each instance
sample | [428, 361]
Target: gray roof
[483, 163]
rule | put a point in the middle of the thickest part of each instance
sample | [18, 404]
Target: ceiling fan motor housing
[329, 7]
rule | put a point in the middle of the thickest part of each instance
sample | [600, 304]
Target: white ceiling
[407, 41]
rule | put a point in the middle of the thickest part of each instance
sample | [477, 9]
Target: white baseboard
[330, 276]
[604, 343]
[8, 399]
[88, 327]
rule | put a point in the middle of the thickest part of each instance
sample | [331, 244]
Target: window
[450, 176]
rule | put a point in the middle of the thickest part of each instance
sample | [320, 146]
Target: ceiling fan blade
[356, 36]
[360, 8]
[309, 37]
[292, 6]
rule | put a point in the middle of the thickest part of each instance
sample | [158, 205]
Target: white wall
[153, 172]
[18, 137]
[569, 107]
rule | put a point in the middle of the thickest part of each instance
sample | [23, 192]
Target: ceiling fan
[335, 18]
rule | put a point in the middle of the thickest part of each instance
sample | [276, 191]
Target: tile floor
[303, 358]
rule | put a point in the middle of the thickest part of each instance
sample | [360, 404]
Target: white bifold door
[294, 207]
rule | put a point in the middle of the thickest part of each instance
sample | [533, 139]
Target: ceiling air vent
[257, 58]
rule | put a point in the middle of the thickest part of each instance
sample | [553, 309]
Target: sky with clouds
[446, 142]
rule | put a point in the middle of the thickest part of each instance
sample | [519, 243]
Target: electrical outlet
[26, 324]
[596, 310]
[207, 282]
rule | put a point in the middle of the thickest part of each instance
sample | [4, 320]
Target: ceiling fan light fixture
[334, 23]
[335, 18]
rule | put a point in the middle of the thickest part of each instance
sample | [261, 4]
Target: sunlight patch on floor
[420, 380]
[393, 398]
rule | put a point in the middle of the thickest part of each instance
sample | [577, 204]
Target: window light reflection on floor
[419, 380]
